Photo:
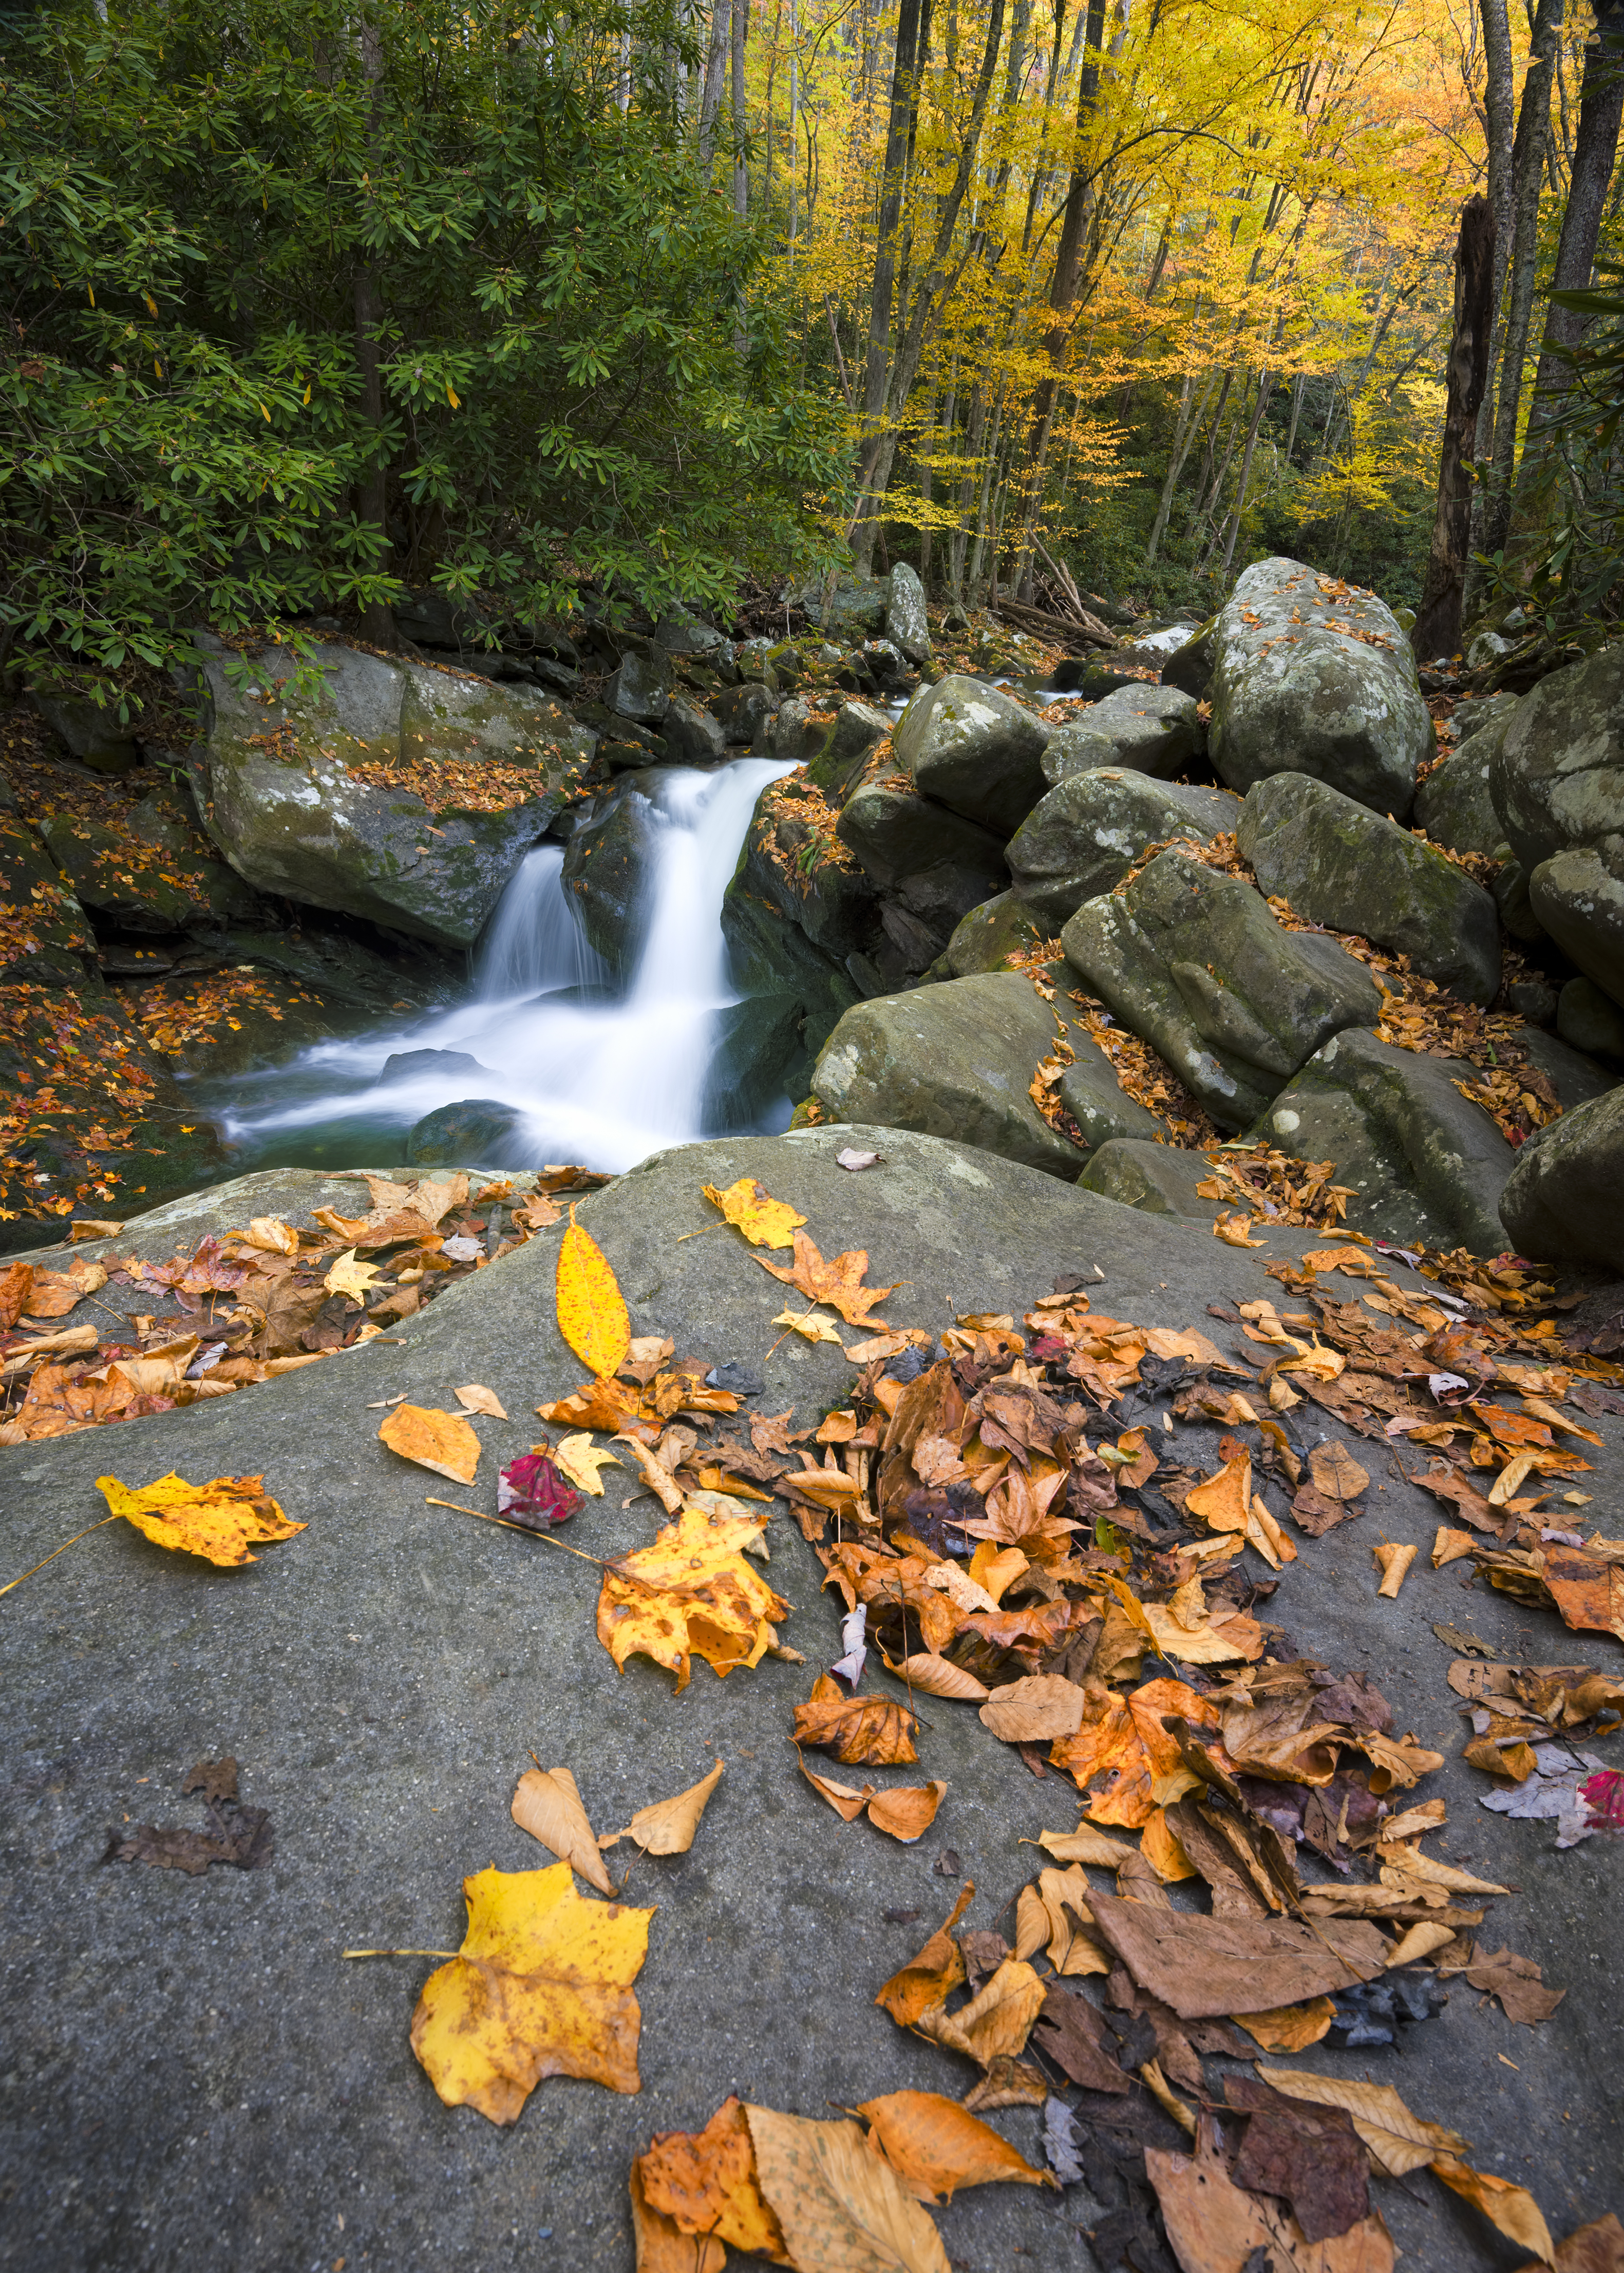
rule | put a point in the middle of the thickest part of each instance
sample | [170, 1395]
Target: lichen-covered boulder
[990, 934]
[1156, 1179]
[394, 790]
[1086, 835]
[1558, 775]
[969, 746]
[1152, 730]
[938, 863]
[1312, 677]
[858, 726]
[642, 684]
[795, 863]
[1098, 1103]
[1589, 1020]
[1195, 964]
[1578, 897]
[1338, 864]
[1190, 665]
[153, 873]
[1454, 804]
[1426, 1165]
[958, 1058]
[906, 626]
[1564, 1199]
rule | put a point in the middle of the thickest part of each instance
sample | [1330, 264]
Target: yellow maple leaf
[579, 1459]
[691, 1593]
[541, 1986]
[218, 1519]
[764, 1221]
[348, 1277]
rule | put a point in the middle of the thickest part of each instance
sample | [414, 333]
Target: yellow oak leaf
[348, 1277]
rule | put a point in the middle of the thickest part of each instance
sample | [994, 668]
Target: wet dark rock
[1151, 730]
[1564, 1199]
[1085, 835]
[936, 861]
[478, 1132]
[417, 1065]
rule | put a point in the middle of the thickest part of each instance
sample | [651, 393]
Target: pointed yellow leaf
[218, 1519]
[764, 1221]
[580, 1460]
[591, 1310]
[667, 1826]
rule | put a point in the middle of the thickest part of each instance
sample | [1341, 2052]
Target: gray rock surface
[1312, 680]
[178, 895]
[990, 934]
[692, 735]
[858, 726]
[1337, 863]
[1578, 897]
[642, 686]
[1454, 804]
[1591, 1021]
[1564, 1199]
[844, 606]
[956, 1059]
[1191, 665]
[1099, 1104]
[1194, 963]
[1156, 1179]
[939, 864]
[1474, 717]
[1151, 730]
[279, 799]
[906, 626]
[773, 962]
[473, 1128]
[47, 936]
[1086, 835]
[91, 732]
[382, 1676]
[1427, 1163]
[746, 713]
[607, 863]
[1557, 778]
[968, 746]
[796, 735]
[411, 1065]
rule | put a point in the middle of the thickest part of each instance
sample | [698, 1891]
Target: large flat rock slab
[193, 2073]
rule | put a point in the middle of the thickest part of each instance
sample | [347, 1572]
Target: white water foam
[601, 1077]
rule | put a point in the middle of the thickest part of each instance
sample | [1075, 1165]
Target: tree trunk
[904, 101]
[1438, 620]
[1527, 175]
[1266, 388]
[372, 488]
[710, 95]
[742, 172]
[1502, 199]
[1596, 142]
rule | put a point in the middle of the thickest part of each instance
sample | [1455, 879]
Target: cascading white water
[601, 1077]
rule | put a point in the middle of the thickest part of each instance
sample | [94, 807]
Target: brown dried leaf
[935, 2147]
[929, 1978]
[840, 2207]
[548, 1805]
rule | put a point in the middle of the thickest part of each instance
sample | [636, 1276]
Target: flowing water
[604, 1074]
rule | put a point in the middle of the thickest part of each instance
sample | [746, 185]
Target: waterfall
[600, 1078]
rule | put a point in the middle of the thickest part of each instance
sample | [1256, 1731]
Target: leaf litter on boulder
[238, 1834]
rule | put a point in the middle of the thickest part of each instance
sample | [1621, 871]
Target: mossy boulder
[937, 861]
[990, 934]
[1454, 804]
[1338, 864]
[1151, 730]
[1194, 963]
[970, 747]
[1564, 1199]
[1085, 835]
[44, 934]
[1156, 1179]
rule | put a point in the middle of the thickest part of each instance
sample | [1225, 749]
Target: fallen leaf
[1071, 2032]
[1449, 1545]
[1160, 1847]
[938, 1676]
[238, 1835]
[1308, 2154]
[1289, 2028]
[907, 1812]
[1511, 2209]
[837, 1282]
[655, 1474]
[1234, 1229]
[271, 1235]
[997, 2021]
[1516, 1981]
[548, 1805]
[591, 1310]
[764, 1221]
[530, 1491]
[809, 1329]
[690, 1593]
[1399, 2142]
[1597, 2247]
[580, 1460]
[220, 1520]
[667, 1827]
[927, 1979]
[348, 1277]
[474, 1397]
[860, 1731]
[935, 2147]
[1335, 1472]
[541, 1986]
[841, 2209]
[1204, 1966]
[1084, 1845]
[854, 1162]
[1035, 1709]
[441, 1442]
[661, 2244]
[705, 2182]
[1215, 2227]
[1394, 1562]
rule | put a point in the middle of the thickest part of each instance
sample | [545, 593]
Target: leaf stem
[400, 1953]
[62, 1549]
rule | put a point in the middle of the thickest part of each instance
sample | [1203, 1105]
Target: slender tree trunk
[1183, 435]
[710, 93]
[904, 103]
[372, 488]
[1595, 147]
[1502, 201]
[742, 172]
[1438, 619]
[1528, 174]
[1266, 388]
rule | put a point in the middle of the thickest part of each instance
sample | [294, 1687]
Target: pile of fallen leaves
[797, 831]
[1276, 1187]
[459, 784]
[255, 1303]
[1146, 1077]
[212, 1001]
[77, 1088]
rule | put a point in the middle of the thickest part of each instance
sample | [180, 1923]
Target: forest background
[310, 301]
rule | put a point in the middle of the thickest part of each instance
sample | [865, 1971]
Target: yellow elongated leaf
[1289, 2028]
[220, 1520]
[541, 1986]
[935, 2146]
[1510, 2208]
[271, 1235]
[667, 1827]
[548, 1805]
[591, 1310]
[1400, 2142]
[764, 1221]
[580, 1460]
[809, 1329]
[841, 2208]
[1085, 1845]
[441, 1442]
